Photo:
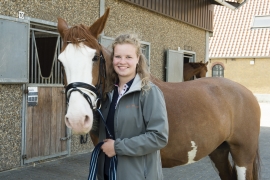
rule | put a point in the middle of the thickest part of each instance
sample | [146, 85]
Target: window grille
[217, 71]
[45, 46]
[145, 48]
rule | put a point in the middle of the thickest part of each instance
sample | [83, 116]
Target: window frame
[219, 69]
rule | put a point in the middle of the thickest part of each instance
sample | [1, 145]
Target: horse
[213, 116]
[197, 69]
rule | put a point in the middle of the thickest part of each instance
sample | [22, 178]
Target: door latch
[65, 138]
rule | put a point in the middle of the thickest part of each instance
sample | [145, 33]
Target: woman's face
[125, 60]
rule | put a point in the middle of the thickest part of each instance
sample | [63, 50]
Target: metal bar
[58, 64]
[39, 30]
[45, 85]
[54, 58]
[24, 122]
[37, 62]
[32, 57]
[55, 71]
[40, 21]
[46, 157]
[62, 75]
[53, 27]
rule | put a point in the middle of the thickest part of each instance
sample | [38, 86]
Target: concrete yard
[76, 167]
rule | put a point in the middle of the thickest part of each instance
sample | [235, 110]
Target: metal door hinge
[65, 138]
[24, 156]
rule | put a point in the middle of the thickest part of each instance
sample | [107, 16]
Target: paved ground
[76, 167]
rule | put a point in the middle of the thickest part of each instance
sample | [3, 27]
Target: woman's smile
[125, 60]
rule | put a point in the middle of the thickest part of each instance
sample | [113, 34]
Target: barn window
[175, 61]
[217, 71]
[145, 48]
[45, 46]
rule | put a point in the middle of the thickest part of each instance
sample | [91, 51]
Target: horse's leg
[221, 162]
[246, 159]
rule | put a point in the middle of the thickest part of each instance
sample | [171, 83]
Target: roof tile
[233, 36]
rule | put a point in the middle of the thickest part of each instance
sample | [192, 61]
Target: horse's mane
[196, 65]
[79, 33]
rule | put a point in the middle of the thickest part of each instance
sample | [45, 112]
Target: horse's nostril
[86, 120]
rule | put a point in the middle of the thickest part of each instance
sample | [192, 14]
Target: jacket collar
[136, 86]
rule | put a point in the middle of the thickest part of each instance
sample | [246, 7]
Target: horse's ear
[62, 26]
[97, 27]
[206, 63]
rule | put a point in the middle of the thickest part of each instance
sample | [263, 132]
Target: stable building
[32, 95]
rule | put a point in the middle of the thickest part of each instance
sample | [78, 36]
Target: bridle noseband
[80, 87]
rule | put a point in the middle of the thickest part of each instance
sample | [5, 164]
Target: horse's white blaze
[241, 172]
[78, 64]
[192, 153]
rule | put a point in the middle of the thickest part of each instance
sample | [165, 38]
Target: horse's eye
[95, 58]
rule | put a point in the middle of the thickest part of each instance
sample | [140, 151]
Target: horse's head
[203, 70]
[84, 67]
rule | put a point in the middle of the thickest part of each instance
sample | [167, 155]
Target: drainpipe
[231, 5]
[206, 50]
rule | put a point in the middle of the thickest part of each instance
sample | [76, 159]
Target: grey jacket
[141, 130]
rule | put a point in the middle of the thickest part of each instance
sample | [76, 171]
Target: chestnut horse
[211, 117]
[197, 69]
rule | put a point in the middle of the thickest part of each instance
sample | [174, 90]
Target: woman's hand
[108, 147]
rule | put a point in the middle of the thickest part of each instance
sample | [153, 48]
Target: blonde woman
[135, 114]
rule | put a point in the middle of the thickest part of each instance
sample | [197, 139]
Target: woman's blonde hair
[141, 69]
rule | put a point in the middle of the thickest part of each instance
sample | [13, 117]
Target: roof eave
[240, 57]
[231, 5]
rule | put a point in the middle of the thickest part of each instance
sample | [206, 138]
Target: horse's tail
[256, 171]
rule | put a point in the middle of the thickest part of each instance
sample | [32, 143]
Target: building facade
[239, 52]
[32, 96]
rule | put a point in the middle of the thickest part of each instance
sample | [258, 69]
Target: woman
[135, 115]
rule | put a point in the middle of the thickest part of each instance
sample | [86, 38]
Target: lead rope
[94, 158]
[97, 149]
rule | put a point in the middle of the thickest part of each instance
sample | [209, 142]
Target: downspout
[206, 49]
[231, 5]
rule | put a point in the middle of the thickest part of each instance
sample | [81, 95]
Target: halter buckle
[97, 104]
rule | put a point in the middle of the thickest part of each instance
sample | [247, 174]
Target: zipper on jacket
[145, 167]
